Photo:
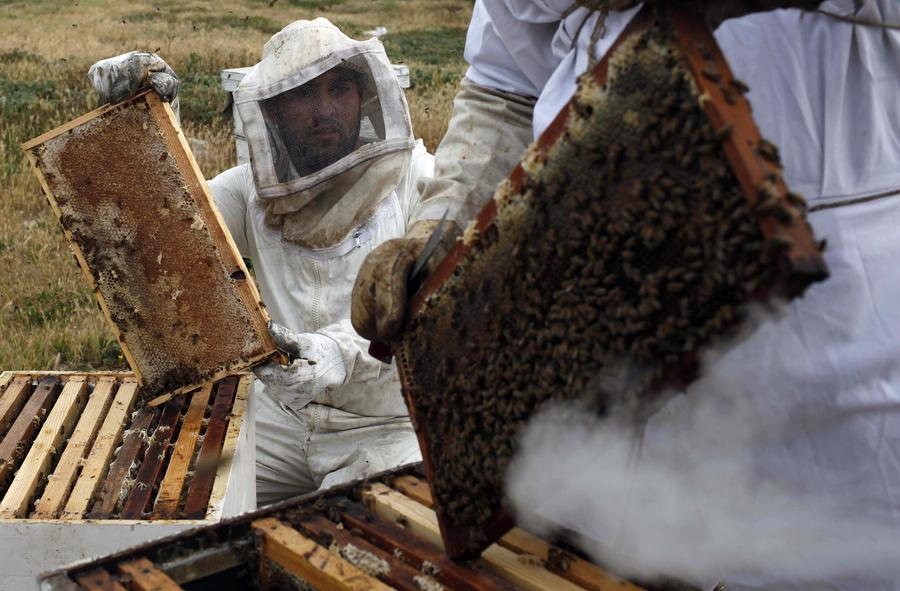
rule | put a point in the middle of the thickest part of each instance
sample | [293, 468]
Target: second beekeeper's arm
[489, 129]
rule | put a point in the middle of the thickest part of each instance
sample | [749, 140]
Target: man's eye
[340, 87]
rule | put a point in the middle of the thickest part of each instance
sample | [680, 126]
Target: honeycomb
[134, 214]
[629, 247]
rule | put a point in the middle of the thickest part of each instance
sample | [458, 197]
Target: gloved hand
[380, 293]
[117, 78]
[317, 364]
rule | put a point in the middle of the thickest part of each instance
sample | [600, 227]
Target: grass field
[48, 318]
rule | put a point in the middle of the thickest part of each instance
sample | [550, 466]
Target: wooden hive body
[378, 534]
[84, 470]
[138, 215]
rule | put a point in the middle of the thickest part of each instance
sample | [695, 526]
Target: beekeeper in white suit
[333, 174]
[826, 89]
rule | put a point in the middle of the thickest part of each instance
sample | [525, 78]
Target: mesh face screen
[630, 245]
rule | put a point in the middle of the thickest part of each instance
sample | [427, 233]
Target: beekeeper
[332, 174]
[825, 88]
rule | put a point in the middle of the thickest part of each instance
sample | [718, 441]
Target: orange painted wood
[146, 576]
[99, 580]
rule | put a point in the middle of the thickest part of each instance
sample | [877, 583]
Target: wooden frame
[187, 323]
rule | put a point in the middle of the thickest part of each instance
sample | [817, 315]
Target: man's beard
[308, 159]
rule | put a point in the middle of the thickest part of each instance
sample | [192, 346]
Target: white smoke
[696, 503]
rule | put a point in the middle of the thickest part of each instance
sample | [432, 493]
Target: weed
[436, 47]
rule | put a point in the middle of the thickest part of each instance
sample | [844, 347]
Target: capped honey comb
[138, 215]
[634, 234]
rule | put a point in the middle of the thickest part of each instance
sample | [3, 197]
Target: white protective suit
[826, 375]
[306, 236]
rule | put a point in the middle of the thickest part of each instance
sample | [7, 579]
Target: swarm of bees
[630, 246]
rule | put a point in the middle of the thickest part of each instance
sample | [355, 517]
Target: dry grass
[48, 318]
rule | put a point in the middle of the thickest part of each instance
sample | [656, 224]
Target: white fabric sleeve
[507, 52]
[487, 136]
[359, 365]
[421, 167]
[231, 190]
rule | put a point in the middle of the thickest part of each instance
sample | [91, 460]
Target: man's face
[319, 121]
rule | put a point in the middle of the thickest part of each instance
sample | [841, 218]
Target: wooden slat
[229, 447]
[154, 460]
[473, 576]
[169, 496]
[63, 477]
[26, 425]
[197, 501]
[97, 462]
[99, 580]
[399, 574]
[132, 445]
[578, 571]
[12, 401]
[309, 561]
[390, 504]
[54, 432]
[145, 576]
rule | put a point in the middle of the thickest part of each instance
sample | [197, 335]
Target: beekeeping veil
[317, 179]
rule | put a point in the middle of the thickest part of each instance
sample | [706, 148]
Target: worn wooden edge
[198, 496]
[93, 473]
[154, 459]
[54, 431]
[78, 446]
[12, 400]
[309, 561]
[802, 263]
[77, 122]
[105, 521]
[123, 374]
[169, 495]
[229, 447]
[245, 287]
[99, 580]
[26, 426]
[76, 250]
[146, 576]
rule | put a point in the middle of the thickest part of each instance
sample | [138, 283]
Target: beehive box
[378, 534]
[85, 470]
[634, 236]
[138, 215]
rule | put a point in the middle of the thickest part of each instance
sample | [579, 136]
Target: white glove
[317, 365]
[117, 78]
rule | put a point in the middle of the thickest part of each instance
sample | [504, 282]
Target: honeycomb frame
[137, 213]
